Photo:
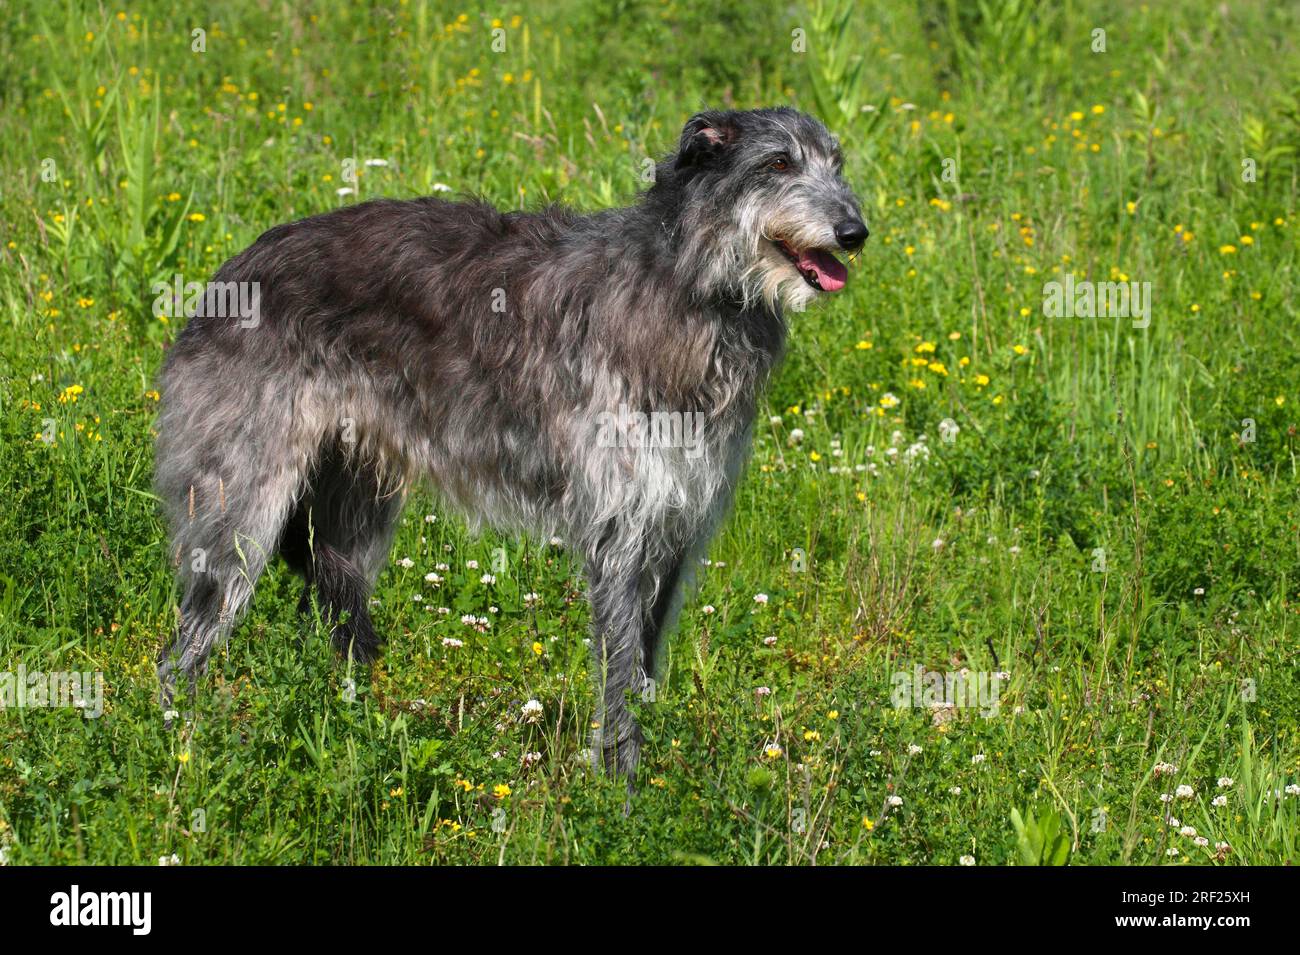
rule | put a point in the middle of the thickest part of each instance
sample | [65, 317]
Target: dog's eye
[779, 164]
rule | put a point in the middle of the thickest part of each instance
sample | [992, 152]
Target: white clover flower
[172, 859]
[440, 187]
[762, 691]
[1188, 831]
[452, 642]
[488, 579]
[769, 641]
[1201, 841]
[1225, 782]
[433, 578]
[531, 711]
[796, 435]
[406, 563]
[760, 599]
[1199, 592]
[1164, 769]
[894, 801]
[430, 518]
[1184, 792]
[418, 598]
[967, 860]
[1293, 790]
[1219, 801]
[955, 791]
[1014, 550]
[774, 419]
[471, 565]
[948, 430]
[914, 750]
[937, 544]
[1165, 797]
[977, 759]
[532, 599]
[1171, 852]
[707, 609]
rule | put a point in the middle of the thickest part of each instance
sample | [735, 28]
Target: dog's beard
[772, 279]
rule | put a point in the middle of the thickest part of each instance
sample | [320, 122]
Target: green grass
[1083, 443]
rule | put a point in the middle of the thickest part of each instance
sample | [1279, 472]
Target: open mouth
[818, 267]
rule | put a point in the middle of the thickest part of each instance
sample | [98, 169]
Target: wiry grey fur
[476, 349]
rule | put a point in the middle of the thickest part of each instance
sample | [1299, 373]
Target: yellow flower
[196, 217]
[863, 346]
[981, 380]
[1280, 400]
[814, 457]
[867, 824]
[1076, 116]
[537, 648]
[1247, 240]
[183, 757]
[1024, 311]
[925, 347]
[501, 790]
[1227, 249]
[938, 368]
[1131, 207]
[1099, 109]
[1019, 349]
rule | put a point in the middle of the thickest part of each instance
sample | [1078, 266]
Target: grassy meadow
[1099, 512]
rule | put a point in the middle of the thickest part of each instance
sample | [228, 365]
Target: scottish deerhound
[505, 357]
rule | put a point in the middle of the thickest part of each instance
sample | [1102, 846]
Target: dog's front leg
[619, 620]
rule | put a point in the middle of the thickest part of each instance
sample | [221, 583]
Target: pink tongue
[831, 273]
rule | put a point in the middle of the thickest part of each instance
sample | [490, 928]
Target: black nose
[851, 233]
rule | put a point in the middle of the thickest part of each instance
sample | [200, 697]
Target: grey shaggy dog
[488, 353]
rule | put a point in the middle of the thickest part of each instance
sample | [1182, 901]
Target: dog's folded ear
[704, 137]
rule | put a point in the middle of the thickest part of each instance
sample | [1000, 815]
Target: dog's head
[766, 212]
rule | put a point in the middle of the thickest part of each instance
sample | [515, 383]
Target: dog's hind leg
[337, 539]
